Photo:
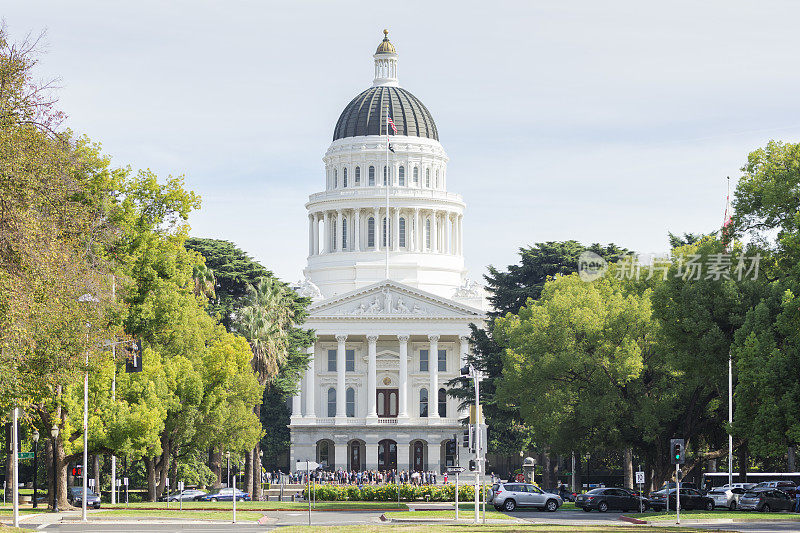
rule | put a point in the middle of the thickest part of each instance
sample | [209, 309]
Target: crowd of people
[365, 477]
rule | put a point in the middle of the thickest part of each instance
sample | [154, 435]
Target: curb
[632, 520]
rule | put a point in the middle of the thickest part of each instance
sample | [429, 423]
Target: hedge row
[388, 493]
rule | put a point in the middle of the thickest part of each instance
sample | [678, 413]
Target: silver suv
[509, 496]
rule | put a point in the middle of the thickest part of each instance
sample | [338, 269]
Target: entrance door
[387, 455]
[355, 456]
[386, 402]
[419, 456]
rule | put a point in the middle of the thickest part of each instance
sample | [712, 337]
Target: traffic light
[472, 465]
[465, 442]
[77, 471]
[678, 450]
[133, 363]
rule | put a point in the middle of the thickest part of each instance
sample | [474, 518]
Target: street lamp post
[54, 435]
[228, 455]
[35, 465]
[86, 298]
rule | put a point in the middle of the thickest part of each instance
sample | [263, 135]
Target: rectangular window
[442, 360]
[331, 360]
[423, 360]
[350, 360]
[371, 232]
[402, 233]
[333, 233]
[372, 175]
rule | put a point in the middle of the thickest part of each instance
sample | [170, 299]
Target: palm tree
[266, 323]
[204, 280]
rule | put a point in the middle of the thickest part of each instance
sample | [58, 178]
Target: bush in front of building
[388, 493]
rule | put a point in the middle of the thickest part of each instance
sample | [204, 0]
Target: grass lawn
[718, 515]
[450, 515]
[189, 515]
[425, 528]
[261, 506]
[8, 529]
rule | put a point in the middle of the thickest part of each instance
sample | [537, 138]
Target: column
[371, 456]
[357, 230]
[378, 229]
[403, 454]
[396, 229]
[339, 219]
[463, 351]
[461, 234]
[340, 391]
[372, 371]
[419, 239]
[316, 234]
[340, 454]
[296, 409]
[402, 407]
[434, 233]
[311, 385]
[448, 228]
[433, 367]
[435, 457]
[310, 234]
[326, 232]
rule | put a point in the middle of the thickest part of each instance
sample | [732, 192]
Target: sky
[614, 121]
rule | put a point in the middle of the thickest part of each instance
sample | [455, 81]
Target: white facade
[374, 394]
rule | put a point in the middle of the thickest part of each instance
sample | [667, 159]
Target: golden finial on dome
[386, 47]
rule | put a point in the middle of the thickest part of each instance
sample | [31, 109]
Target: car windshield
[596, 491]
[751, 494]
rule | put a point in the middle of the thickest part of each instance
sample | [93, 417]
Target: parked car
[223, 495]
[684, 485]
[728, 496]
[75, 497]
[186, 495]
[765, 499]
[690, 499]
[786, 485]
[610, 498]
[563, 491]
[509, 496]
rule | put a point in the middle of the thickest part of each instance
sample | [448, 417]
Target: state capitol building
[392, 302]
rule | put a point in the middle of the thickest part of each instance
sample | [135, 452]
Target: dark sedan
[610, 498]
[185, 496]
[690, 499]
[765, 500]
[223, 495]
[75, 497]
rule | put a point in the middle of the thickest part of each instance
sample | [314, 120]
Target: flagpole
[386, 176]
[730, 363]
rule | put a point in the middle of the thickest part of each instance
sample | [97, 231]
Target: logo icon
[591, 266]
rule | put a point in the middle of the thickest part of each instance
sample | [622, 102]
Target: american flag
[391, 123]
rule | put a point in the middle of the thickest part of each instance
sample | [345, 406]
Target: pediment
[389, 299]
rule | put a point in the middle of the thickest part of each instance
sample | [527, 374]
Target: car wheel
[602, 507]
[214, 499]
[732, 506]
[709, 506]
[509, 505]
[587, 510]
[551, 505]
[766, 508]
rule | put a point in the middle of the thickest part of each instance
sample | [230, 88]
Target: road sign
[125, 481]
[455, 469]
[25, 455]
[640, 478]
[180, 485]
[91, 482]
[166, 482]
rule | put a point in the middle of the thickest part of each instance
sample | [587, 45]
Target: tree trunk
[247, 482]
[9, 465]
[256, 494]
[742, 456]
[547, 481]
[215, 464]
[578, 474]
[149, 464]
[790, 459]
[96, 472]
[627, 467]
[712, 465]
[61, 475]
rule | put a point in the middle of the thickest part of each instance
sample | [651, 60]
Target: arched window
[401, 176]
[371, 173]
[331, 402]
[371, 232]
[335, 178]
[428, 177]
[344, 177]
[428, 234]
[387, 230]
[333, 233]
[324, 453]
[416, 176]
[402, 232]
[357, 177]
[350, 402]
[344, 233]
[437, 178]
[423, 402]
[442, 403]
